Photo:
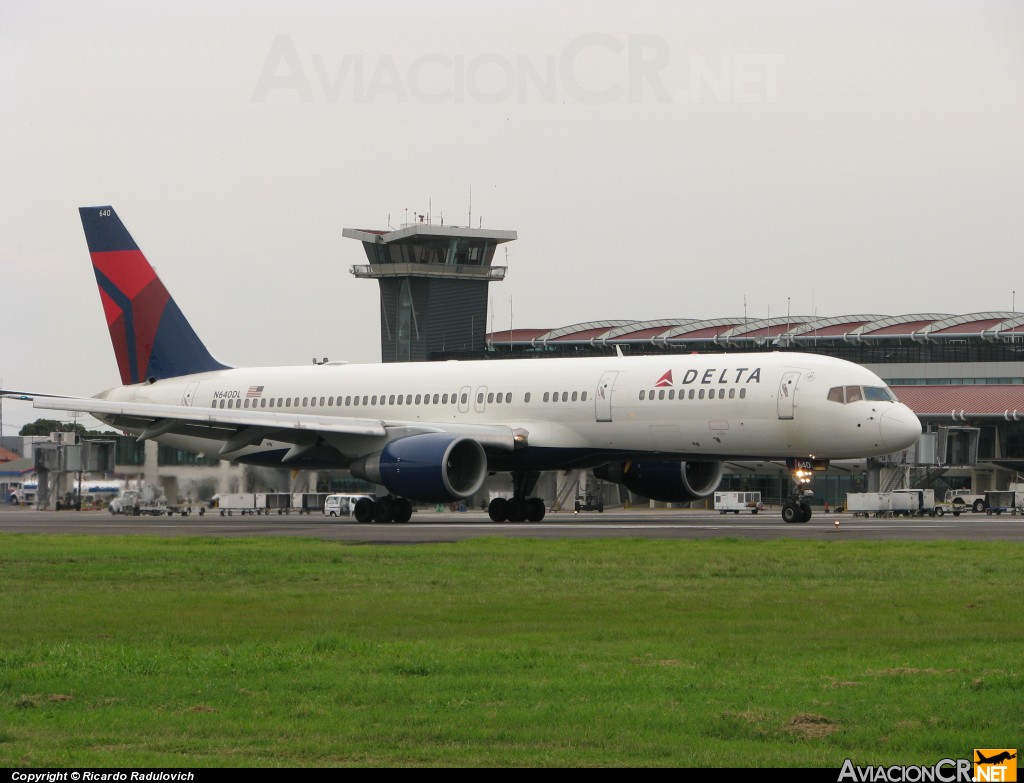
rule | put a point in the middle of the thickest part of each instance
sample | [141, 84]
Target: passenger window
[575, 395]
[465, 398]
[479, 398]
[701, 394]
[732, 394]
[526, 397]
[546, 396]
[444, 399]
[565, 396]
[661, 394]
[408, 399]
[436, 397]
[391, 399]
[643, 394]
[691, 394]
[490, 398]
[743, 393]
[721, 394]
[321, 401]
[584, 397]
[418, 398]
[355, 400]
[263, 402]
[671, 394]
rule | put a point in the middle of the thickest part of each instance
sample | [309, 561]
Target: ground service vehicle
[145, 500]
[1004, 501]
[881, 504]
[735, 502]
[958, 501]
[342, 505]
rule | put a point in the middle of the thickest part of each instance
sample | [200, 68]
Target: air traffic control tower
[433, 286]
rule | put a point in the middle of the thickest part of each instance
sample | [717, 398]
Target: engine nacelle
[434, 467]
[670, 482]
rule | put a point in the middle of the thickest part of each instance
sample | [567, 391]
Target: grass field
[133, 652]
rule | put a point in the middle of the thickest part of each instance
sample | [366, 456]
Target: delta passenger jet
[433, 431]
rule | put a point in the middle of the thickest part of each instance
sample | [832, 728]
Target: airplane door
[603, 397]
[480, 403]
[787, 394]
[190, 392]
[464, 399]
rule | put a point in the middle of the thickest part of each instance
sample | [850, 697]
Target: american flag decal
[254, 391]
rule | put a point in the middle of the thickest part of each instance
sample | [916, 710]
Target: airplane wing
[236, 429]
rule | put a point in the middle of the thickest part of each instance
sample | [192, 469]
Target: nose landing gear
[797, 507]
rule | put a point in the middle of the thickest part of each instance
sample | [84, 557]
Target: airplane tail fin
[151, 337]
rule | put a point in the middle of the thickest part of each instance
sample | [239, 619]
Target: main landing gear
[797, 507]
[383, 510]
[519, 507]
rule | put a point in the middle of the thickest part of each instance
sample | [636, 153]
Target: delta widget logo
[998, 765]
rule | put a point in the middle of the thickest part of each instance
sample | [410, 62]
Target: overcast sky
[658, 159]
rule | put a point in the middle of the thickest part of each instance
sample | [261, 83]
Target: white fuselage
[756, 406]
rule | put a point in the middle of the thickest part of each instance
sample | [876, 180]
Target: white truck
[925, 500]
[342, 505]
[882, 504]
[958, 501]
[145, 500]
[735, 502]
[231, 503]
[1004, 501]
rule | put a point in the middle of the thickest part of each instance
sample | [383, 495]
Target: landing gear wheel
[497, 510]
[363, 511]
[403, 511]
[535, 510]
[805, 511]
[383, 511]
[517, 510]
[791, 512]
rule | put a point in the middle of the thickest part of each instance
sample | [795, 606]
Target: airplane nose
[900, 428]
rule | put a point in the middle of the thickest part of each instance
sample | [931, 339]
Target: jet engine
[671, 482]
[434, 467]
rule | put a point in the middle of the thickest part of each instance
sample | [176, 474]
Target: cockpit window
[877, 393]
[845, 394]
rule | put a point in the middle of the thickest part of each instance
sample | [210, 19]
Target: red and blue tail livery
[152, 339]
